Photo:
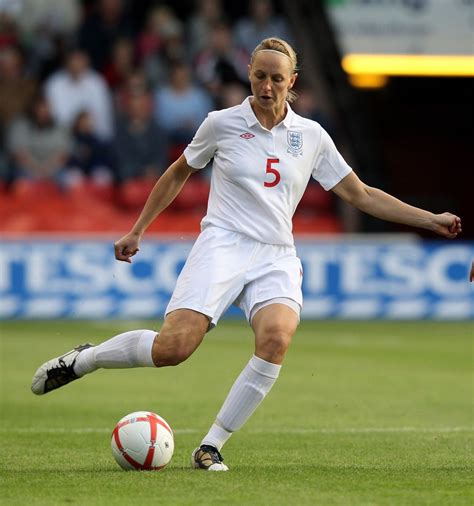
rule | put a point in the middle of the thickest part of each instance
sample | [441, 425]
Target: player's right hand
[126, 247]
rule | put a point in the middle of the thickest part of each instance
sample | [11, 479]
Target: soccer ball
[142, 440]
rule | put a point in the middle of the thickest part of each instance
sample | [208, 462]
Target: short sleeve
[203, 146]
[330, 167]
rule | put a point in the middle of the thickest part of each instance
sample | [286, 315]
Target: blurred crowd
[94, 100]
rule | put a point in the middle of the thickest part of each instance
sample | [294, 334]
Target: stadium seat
[4, 200]
[35, 189]
[315, 200]
[307, 225]
[175, 151]
[104, 192]
[193, 196]
[24, 201]
[176, 223]
[132, 194]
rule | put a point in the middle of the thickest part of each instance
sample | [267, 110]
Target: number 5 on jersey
[273, 171]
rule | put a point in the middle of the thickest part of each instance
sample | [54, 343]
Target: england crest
[295, 142]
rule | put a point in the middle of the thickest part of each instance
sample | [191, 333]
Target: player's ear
[249, 68]
[292, 80]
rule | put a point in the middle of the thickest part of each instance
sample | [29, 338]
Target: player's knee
[173, 347]
[273, 343]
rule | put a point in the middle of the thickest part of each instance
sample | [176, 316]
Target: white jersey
[260, 175]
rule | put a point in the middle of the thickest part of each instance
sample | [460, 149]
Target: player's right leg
[182, 332]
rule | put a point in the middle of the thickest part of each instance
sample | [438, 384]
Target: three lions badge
[295, 142]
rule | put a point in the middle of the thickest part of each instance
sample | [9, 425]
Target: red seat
[104, 192]
[170, 222]
[175, 151]
[315, 200]
[193, 196]
[310, 225]
[132, 194]
[36, 189]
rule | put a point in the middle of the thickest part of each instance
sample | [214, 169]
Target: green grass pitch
[363, 414]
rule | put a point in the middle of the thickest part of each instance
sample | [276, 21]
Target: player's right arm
[163, 193]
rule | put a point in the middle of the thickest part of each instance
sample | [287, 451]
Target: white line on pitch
[342, 430]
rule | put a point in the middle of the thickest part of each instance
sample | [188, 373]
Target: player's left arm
[386, 207]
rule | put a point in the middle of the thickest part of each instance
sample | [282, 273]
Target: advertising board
[345, 279]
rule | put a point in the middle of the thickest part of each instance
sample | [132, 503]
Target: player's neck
[268, 118]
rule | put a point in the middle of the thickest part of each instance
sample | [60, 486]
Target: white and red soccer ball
[143, 441]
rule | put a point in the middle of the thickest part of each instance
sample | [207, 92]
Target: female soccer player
[263, 156]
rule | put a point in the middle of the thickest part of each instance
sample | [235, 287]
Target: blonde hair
[280, 46]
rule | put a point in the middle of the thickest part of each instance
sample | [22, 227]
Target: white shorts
[226, 267]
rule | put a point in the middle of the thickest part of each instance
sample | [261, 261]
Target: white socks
[133, 349]
[130, 349]
[248, 391]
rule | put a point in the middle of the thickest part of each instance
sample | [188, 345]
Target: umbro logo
[247, 135]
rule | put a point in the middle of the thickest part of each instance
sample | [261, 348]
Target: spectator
[97, 34]
[10, 9]
[181, 106]
[221, 62]
[260, 24]
[307, 106]
[51, 16]
[161, 24]
[44, 26]
[16, 90]
[77, 88]
[91, 157]
[206, 15]
[38, 147]
[232, 94]
[140, 145]
[136, 83]
[5, 171]
[161, 43]
[121, 65]
[9, 35]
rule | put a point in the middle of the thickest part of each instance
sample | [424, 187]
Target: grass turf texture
[363, 414]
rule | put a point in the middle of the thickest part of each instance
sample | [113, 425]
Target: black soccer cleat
[208, 458]
[57, 372]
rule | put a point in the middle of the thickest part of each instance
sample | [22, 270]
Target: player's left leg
[274, 326]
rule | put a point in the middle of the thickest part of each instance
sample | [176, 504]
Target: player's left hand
[447, 225]
[126, 247]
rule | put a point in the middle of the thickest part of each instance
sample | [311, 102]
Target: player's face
[271, 76]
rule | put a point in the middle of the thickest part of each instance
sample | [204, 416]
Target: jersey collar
[252, 120]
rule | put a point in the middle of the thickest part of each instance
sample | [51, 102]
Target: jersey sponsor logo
[247, 135]
[295, 142]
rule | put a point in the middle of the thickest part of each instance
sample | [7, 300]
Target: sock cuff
[85, 362]
[264, 368]
[144, 348]
[216, 437]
